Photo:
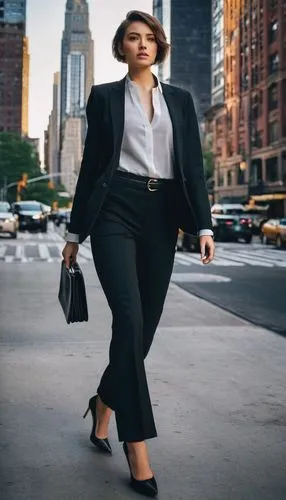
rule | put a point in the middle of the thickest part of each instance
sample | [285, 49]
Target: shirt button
[104, 185]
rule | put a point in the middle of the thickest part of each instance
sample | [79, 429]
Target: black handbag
[72, 294]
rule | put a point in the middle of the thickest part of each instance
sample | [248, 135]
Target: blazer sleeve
[194, 169]
[89, 169]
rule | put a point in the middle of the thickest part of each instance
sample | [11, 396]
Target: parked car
[227, 209]
[232, 228]
[8, 222]
[274, 231]
[62, 216]
[187, 242]
[258, 214]
[31, 215]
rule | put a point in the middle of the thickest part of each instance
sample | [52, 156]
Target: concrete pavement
[217, 386]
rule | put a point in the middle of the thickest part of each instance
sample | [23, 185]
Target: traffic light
[22, 184]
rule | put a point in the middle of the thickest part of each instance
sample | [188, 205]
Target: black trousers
[133, 245]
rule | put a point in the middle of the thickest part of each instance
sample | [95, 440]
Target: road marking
[199, 278]
[248, 260]
[2, 251]
[188, 259]
[44, 251]
[20, 255]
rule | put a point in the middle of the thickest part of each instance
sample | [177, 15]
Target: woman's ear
[120, 49]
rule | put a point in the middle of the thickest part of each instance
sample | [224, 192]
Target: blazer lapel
[172, 104]
[117, 111]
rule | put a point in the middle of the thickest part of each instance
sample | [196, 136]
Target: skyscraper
[188, 27]
[76, 59]
[14, 67]
[217, 52]
[76, 82]
[52, 136]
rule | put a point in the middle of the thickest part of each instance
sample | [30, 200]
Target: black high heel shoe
[102, 444]
[147, 487]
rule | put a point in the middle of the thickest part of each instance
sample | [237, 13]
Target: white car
[8, 222]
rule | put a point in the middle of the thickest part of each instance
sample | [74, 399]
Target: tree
[16, 158]
[208, 163]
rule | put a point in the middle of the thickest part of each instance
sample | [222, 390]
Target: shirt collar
[130, 83]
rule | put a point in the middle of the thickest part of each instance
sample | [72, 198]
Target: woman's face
[139, 45]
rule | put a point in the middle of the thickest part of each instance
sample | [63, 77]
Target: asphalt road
[257, 294]
[217, 385]
[247, 280]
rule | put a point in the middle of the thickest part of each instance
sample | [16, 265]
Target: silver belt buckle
[149, 185]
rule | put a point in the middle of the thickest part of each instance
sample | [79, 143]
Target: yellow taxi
[274, 231]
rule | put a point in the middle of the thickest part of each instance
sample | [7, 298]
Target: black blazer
[105, 116]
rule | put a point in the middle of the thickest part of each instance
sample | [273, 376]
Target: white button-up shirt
[147, 147]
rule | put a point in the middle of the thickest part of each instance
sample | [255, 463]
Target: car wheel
[13, 235]
[248, 239]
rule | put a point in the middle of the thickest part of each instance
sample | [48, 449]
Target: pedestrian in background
[141, 178]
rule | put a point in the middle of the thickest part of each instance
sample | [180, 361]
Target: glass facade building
[75, 97]
[13, 11]
[188, 28]
[217, 52]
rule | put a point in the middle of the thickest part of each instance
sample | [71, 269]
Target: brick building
[14, 67]
[248, 130]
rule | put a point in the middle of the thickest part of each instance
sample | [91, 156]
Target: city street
[217, 381]
[247, 280]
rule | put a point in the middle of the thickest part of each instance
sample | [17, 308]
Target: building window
[272, 169]
[273, 28]
[255, 75]
[229, 178]
[273, 63]
[273, 132]
[240, 175]
[272, 97]
[272, 4]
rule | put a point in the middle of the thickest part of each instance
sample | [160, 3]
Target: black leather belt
[149, 183]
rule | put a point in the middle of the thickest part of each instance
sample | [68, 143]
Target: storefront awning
[268, 197]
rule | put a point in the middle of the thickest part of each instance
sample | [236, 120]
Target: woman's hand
[69, 253]
[207, 249]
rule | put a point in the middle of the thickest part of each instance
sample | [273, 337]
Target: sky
[45, 24]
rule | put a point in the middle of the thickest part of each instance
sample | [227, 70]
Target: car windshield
[29, 207]
[234, 211]
[283, 222]
[4, 207]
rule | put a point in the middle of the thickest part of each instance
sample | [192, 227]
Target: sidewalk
[217, 385]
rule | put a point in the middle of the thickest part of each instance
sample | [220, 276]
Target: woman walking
[141, 179]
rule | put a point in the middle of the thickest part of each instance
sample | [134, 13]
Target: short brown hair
[154, 25]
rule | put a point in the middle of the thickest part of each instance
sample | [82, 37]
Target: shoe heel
[88, 409]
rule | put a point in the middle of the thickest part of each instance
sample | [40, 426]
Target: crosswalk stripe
[44, 251]
[19, 252]
[2, 251]
[188, 260]
[248, 260]
[264, 258]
